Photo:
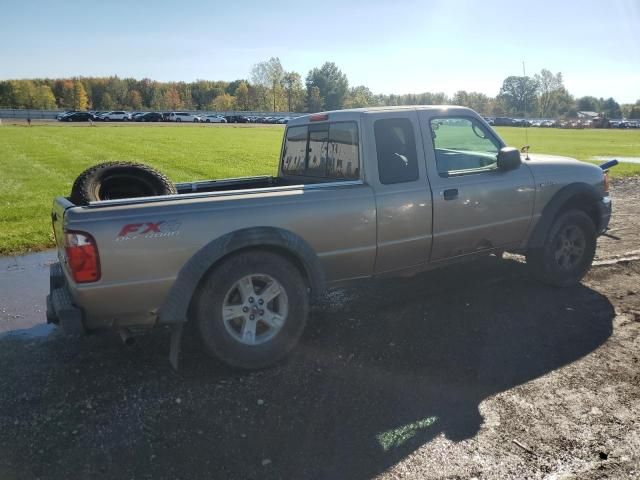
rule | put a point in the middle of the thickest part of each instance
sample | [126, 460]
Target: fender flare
[176, 305]
[555, 205]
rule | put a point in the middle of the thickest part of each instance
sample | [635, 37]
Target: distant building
[588, 115]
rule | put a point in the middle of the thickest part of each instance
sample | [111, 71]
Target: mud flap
[175, 343]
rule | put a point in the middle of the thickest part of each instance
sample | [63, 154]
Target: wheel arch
[175, 308]
[579, 196]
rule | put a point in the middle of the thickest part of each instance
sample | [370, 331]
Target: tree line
[272, 88]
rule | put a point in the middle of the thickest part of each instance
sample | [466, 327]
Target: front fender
[575, 194]
[176, 306]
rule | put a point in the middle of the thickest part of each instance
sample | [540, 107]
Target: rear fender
[176, 306]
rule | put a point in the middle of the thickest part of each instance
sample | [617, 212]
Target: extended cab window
[326, 150]
[396, 148]
[463, 145]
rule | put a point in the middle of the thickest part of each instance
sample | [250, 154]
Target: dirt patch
[624, 228]
[436, 376]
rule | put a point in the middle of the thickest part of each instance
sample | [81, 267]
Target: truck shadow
[398, 362]
[383, 369]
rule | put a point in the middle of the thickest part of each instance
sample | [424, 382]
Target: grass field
[41, 162]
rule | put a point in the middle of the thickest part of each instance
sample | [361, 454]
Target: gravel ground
[473, 371]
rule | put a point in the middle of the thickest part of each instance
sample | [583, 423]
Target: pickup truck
[359, 193]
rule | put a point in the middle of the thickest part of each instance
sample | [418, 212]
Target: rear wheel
[252, 309]
[568, 250]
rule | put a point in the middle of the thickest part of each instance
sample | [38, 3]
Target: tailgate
[60, 205]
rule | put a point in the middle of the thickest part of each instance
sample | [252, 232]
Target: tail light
[82, 257]
[606, 183]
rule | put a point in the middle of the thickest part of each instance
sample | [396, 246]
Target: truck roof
[351, 113]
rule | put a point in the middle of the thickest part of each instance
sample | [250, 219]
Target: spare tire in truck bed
[112, 180]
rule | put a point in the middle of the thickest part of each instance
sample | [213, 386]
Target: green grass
[580, 144]
[41, 162]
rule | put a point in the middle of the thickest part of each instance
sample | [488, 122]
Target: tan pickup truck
[359, 193]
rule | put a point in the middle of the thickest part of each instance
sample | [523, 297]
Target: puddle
[36, 332]
[24, 285]
[620, 159]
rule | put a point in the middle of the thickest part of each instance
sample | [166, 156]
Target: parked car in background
[236, 119]
[64, 114]
[546, 123]
[183, 117]
[150, 117]
[503, 122]
[214, 119]
[76, 117]
[117, 115]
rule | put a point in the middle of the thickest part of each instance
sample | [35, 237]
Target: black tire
[178, 120]
[111, 180]
[106, 119]
[568, 250]
[215, 333]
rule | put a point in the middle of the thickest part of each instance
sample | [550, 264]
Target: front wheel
[568, 250]
[252, 309]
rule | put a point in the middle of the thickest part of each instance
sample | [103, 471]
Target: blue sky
[390, 46]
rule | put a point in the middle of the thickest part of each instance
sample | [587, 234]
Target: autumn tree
[67, 95]
[223, 103]
[134, 100]
[171, 99]
[242, 97]
[359, 97]
[292, 83]
[43, 98]
[80, 99]
[106, 102]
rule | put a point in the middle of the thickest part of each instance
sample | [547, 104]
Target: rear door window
[327, 150]
[396, 149]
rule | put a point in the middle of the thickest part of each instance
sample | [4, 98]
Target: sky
[398, 46]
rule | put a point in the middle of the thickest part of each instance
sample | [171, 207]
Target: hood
[541, 158]
[560, 170]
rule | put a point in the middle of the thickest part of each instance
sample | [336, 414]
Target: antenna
[526, 126]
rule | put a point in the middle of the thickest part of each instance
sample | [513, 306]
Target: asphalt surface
[473, 371]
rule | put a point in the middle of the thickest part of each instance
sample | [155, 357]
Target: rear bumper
[60, 308]
[604, 211]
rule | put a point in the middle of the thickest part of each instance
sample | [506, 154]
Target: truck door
[396, 170]
[476, 207]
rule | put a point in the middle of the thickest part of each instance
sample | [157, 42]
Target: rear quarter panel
[143, 247]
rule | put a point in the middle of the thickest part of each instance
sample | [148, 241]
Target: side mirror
[509, 158]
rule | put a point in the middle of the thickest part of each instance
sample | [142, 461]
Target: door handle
[450, 193]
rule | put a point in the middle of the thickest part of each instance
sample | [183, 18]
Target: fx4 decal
[158, 229]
